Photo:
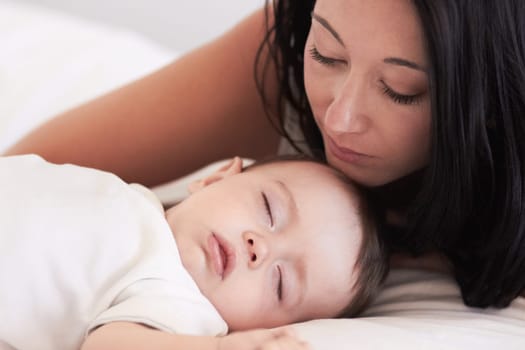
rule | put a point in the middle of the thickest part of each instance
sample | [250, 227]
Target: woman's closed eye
[395, 96]
[401, 98]
[327, 61]
[268, 209]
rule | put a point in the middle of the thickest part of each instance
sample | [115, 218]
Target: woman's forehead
[395, 23]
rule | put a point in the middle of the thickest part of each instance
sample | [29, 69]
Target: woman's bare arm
[202, 107]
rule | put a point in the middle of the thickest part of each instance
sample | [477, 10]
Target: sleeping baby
[88, 261]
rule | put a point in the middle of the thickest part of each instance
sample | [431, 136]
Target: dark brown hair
[469, 200]
[372, 261]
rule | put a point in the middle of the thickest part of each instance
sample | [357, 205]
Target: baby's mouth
[222, 255]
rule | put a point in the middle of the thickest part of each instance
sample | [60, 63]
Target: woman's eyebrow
[328, 27]
[404, 63]
[389, 60]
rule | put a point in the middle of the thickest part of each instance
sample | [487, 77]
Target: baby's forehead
[289, 167]
[305, 171]
[317, 183]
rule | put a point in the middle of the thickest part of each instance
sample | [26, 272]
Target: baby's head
[278, 243]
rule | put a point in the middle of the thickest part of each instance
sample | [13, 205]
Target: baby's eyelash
[268, 208]
[401, 99]
[320, 58]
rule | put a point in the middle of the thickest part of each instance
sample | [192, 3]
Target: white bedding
[50, 62]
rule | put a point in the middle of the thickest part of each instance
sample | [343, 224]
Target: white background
[177, 24]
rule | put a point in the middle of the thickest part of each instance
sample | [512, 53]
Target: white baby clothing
[80, 248]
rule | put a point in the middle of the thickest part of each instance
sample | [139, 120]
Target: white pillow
[421, 310]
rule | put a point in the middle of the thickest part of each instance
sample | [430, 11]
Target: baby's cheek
[229, 302]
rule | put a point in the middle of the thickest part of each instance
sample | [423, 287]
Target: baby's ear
[232, 167]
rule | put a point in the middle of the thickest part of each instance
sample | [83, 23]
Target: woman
[419, 101]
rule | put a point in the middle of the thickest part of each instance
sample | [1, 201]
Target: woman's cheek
[317, 90]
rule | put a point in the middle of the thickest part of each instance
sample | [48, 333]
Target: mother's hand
[263, 339]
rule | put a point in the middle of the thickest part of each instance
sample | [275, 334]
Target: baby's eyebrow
[291, 204]
[296, 285]
[300, 265]
[303, 280]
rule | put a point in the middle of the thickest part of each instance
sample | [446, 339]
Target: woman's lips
[345, 154]
[222, 255]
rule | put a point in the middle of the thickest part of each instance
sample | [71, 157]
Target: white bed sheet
[50, 62]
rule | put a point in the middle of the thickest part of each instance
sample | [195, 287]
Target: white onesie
[80, 248]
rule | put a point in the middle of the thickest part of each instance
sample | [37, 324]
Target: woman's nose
[347, 112]
[256, 247]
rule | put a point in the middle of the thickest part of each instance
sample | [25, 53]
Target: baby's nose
[256, 247]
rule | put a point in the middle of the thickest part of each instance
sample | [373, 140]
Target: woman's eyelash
[396, 97]
[320, 58]
[279, 289]
[268, 208]
[401, 99]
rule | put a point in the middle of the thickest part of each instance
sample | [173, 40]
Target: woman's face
[365, 70]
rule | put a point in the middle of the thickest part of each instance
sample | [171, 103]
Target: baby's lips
[229, 254]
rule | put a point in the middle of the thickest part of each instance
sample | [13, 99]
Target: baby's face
[272, 245]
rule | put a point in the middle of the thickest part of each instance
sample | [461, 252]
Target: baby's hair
[372, 260]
